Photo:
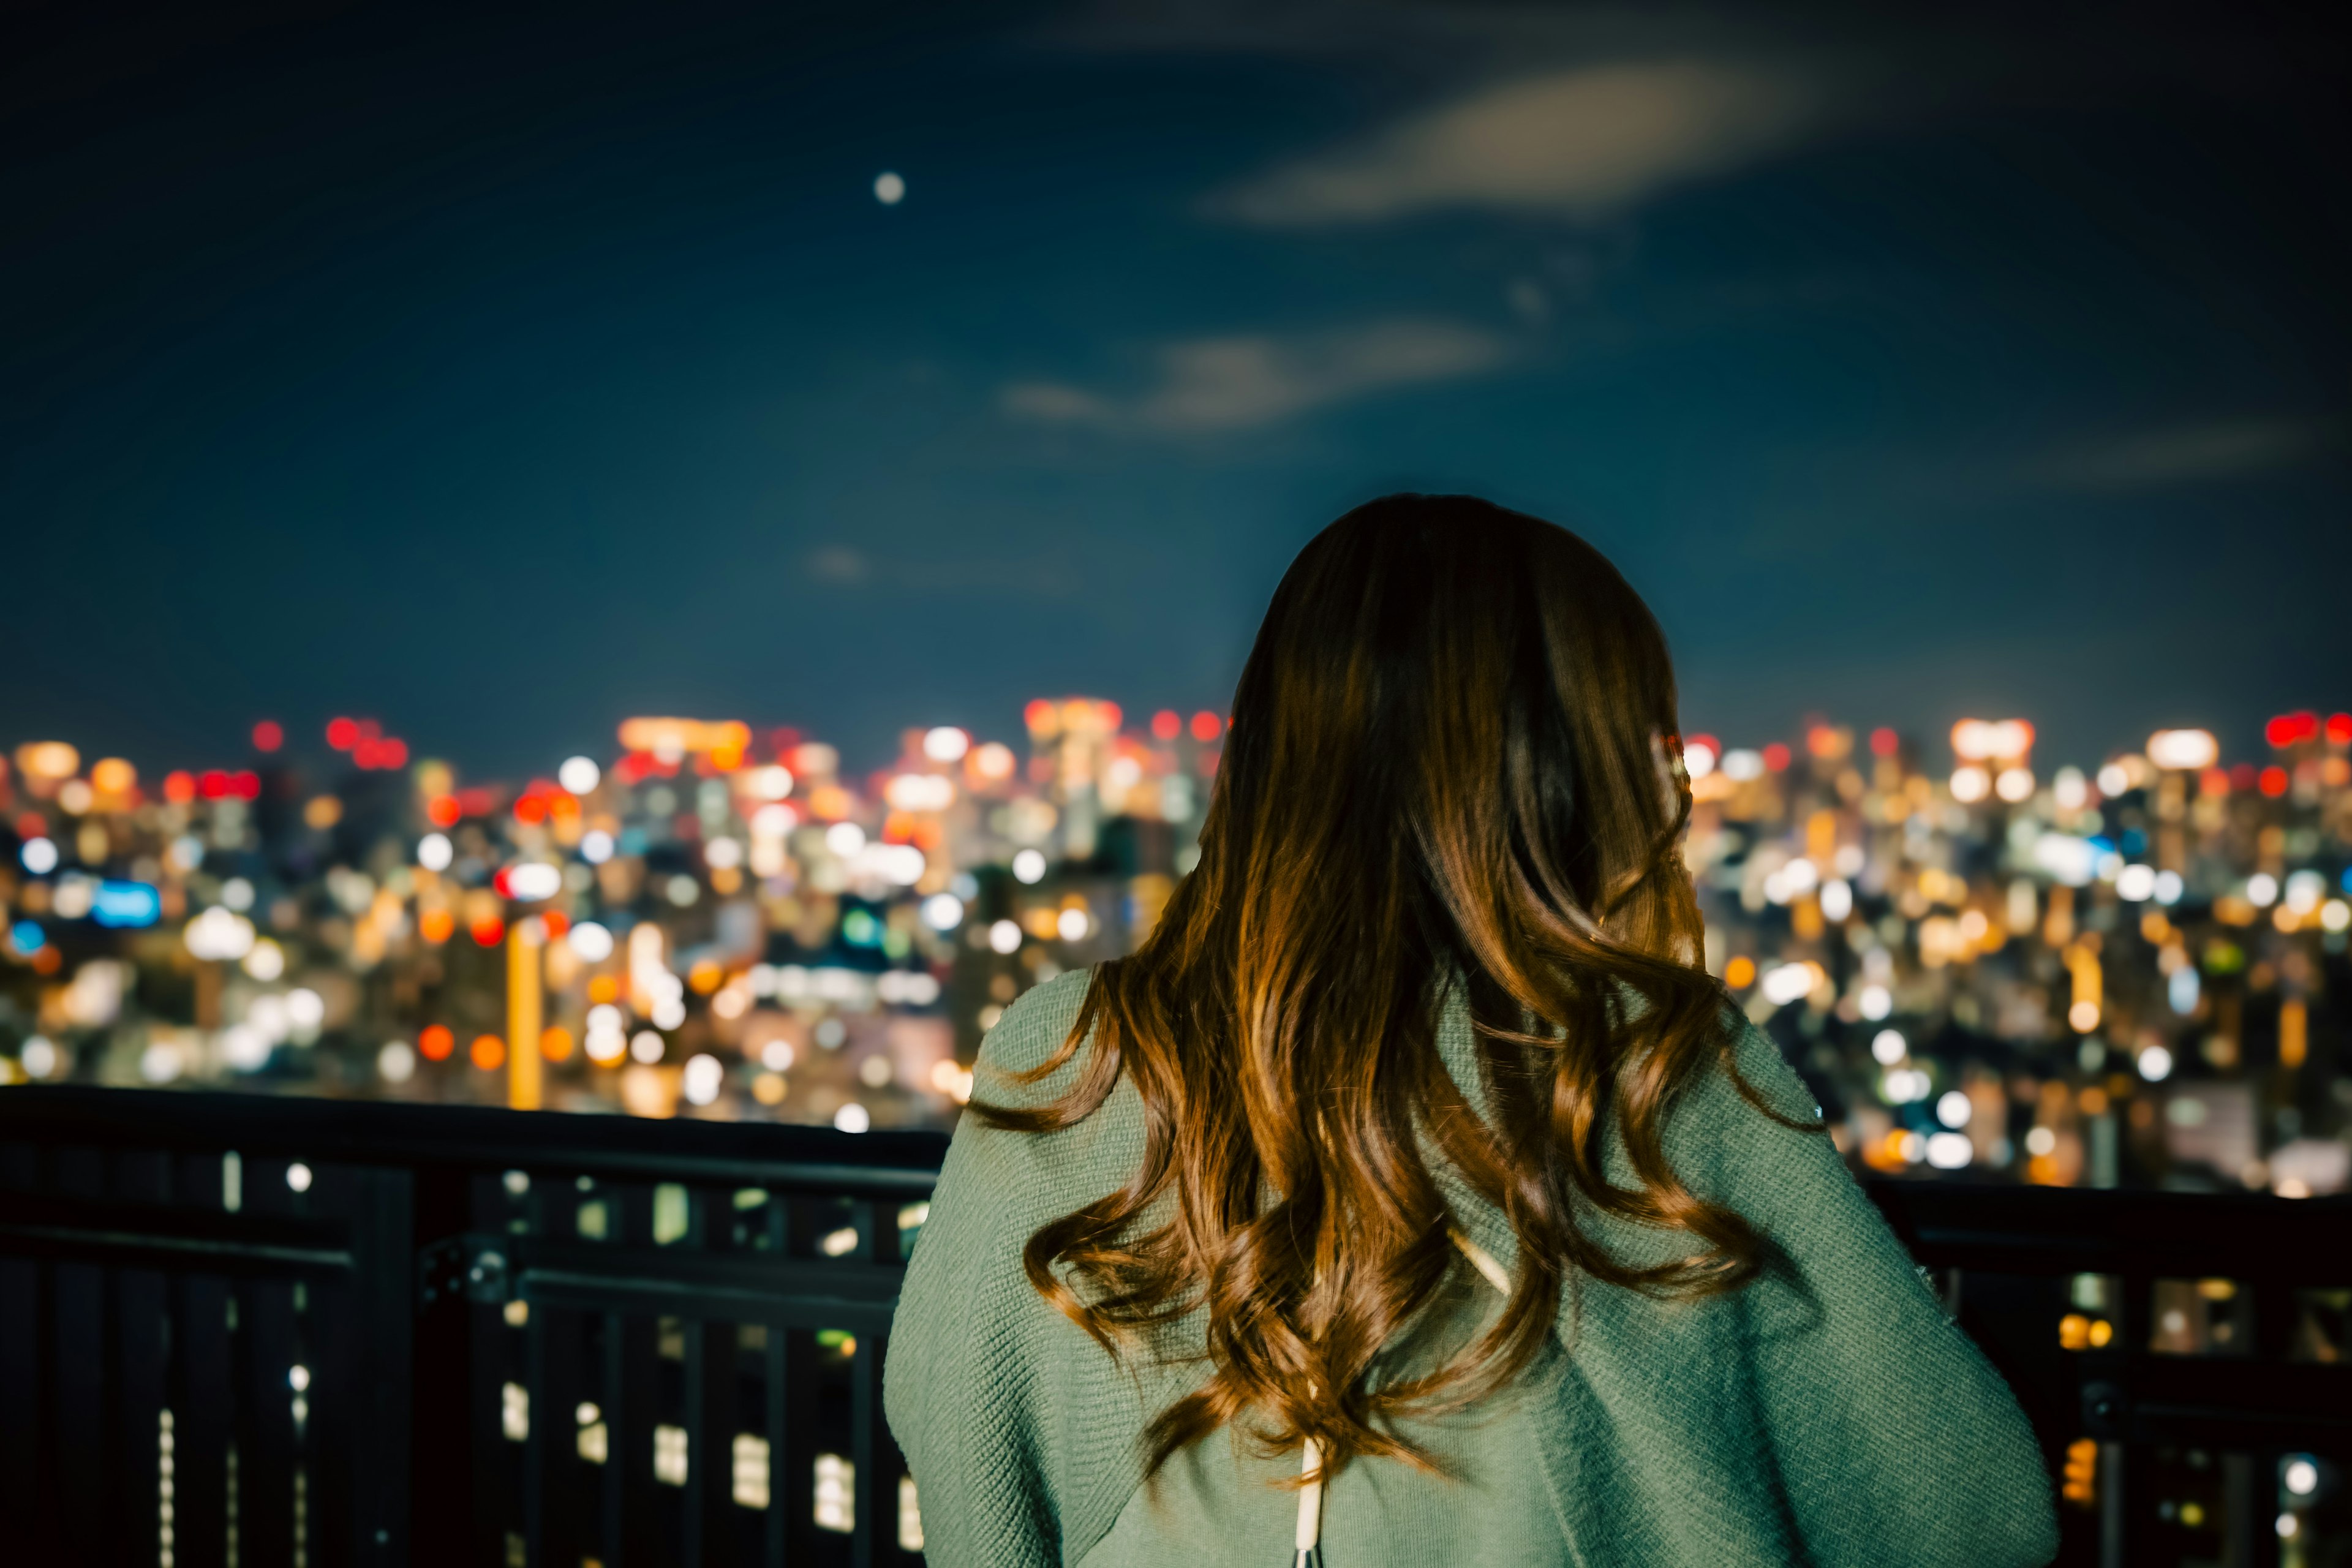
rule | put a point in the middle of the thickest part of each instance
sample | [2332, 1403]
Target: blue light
[126, 904]
[27, 937]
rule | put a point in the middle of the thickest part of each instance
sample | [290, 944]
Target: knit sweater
[1826, 1414]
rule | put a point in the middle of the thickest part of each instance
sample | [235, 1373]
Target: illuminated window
[669, 1456]
[751, 1469]
[911, 1518]
[836, 1491]
[514, 1412]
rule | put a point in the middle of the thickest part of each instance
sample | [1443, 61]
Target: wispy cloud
[2190, 454]
[1575, 143]
[1208, 385]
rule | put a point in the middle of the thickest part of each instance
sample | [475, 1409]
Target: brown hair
[1452, 763]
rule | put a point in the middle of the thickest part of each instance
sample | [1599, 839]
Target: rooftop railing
[258, 1332]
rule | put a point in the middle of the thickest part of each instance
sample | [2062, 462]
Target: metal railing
[261, 1332]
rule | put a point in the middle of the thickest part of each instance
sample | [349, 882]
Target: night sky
[501, 377]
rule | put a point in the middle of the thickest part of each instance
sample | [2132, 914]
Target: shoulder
[1717, 1128]
[1032, 1031]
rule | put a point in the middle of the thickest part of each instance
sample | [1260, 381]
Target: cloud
[1577, 142]
[2190, 454]
[1247, 381]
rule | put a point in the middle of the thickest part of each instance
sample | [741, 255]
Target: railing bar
[782, 1503]
[123, 1248]
[613, 1483]
[536, 1451]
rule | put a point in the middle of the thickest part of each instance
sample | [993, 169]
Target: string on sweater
[1308, 1539]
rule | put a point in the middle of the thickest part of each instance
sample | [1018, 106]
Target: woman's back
[1790, 1422]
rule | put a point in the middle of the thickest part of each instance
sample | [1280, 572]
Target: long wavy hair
[1453, 768]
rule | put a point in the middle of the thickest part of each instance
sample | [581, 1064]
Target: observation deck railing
[261, 1332]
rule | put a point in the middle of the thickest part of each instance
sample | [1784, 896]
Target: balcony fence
[254, 1332]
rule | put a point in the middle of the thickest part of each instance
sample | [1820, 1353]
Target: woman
[1413, 1191]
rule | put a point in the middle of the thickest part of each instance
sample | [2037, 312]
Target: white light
[776, 1056]
[646, 1048]
[2169, 887]
[267, 962]
[434, 852]
[579, 775]
[595, 847]
[397, 1063]
[1786, 982]
[305, 1008]
[2334, 915]
[1740, 764]
[2304, 891]
[899, 863]
[1903, 1086]
[2186, 750]
[39, 856]
[2300, 1477]
[2156, 1064]
[2015, 785]
[237, 894]
[1970, 783]
[1072, 925]
[1890, 1046]
[298, 1176]
[531, 881]
[2041, 1141]
[1914, 1147]
[591, 942]
[2114, 779]
[219, 935]
[2070, 789]
[1950, 1150]
[1029, 866]
[2287, 1526]
[722, 854]
[2136, 884]
[244, 1047]
[944, 911]
[853, 1118]
[774, 821]
[844, 838]
[298, 1378]
[702, 1078]
[1004, 937]
[39, 1058]
[669, 1012]
[2262, 889]
[2182, 989]
[2068, 859]
[946, 745]
[160, 1062]
[605, 1046]
[919, 792]
[1698, 759]
[1837, 899]
[1875, 1002]
[1953, 1108]
[889, 188]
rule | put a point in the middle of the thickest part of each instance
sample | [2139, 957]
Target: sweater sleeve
[1895, 1440]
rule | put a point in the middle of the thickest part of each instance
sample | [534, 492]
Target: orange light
[604, 988]
[436, 926]
[488, 1052]
[704, 977]
[555, 922]
[180, 787]
[1740, 972]
[488, 930]
[48, 960]
[435, 1042]
[112, 776]
[726, 759]
[443, 811]
[555, 1043]
[2074, 1332]
[531, 810]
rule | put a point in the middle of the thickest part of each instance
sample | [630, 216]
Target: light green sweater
[1827, 1415]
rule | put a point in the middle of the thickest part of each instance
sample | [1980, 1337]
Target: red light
[435, 1042]
[2242, 776]
[488, 931]
[2213, 781]
[2274, 782]
[343, 733]
[369, 730]
[1039, 713]
[213, 784]
[531, 809]
[442, 811]
[32, 825]
[1776, 757]
[1110, 716]
[246, 786]
[557, 923]
[1166, 724]
[363, 755]
[1206, 726]
[269, 735]
[180, 787]
[1883, 742]
[2339, 728]
[394, 753]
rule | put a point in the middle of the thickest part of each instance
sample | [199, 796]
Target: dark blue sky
[500, 377]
